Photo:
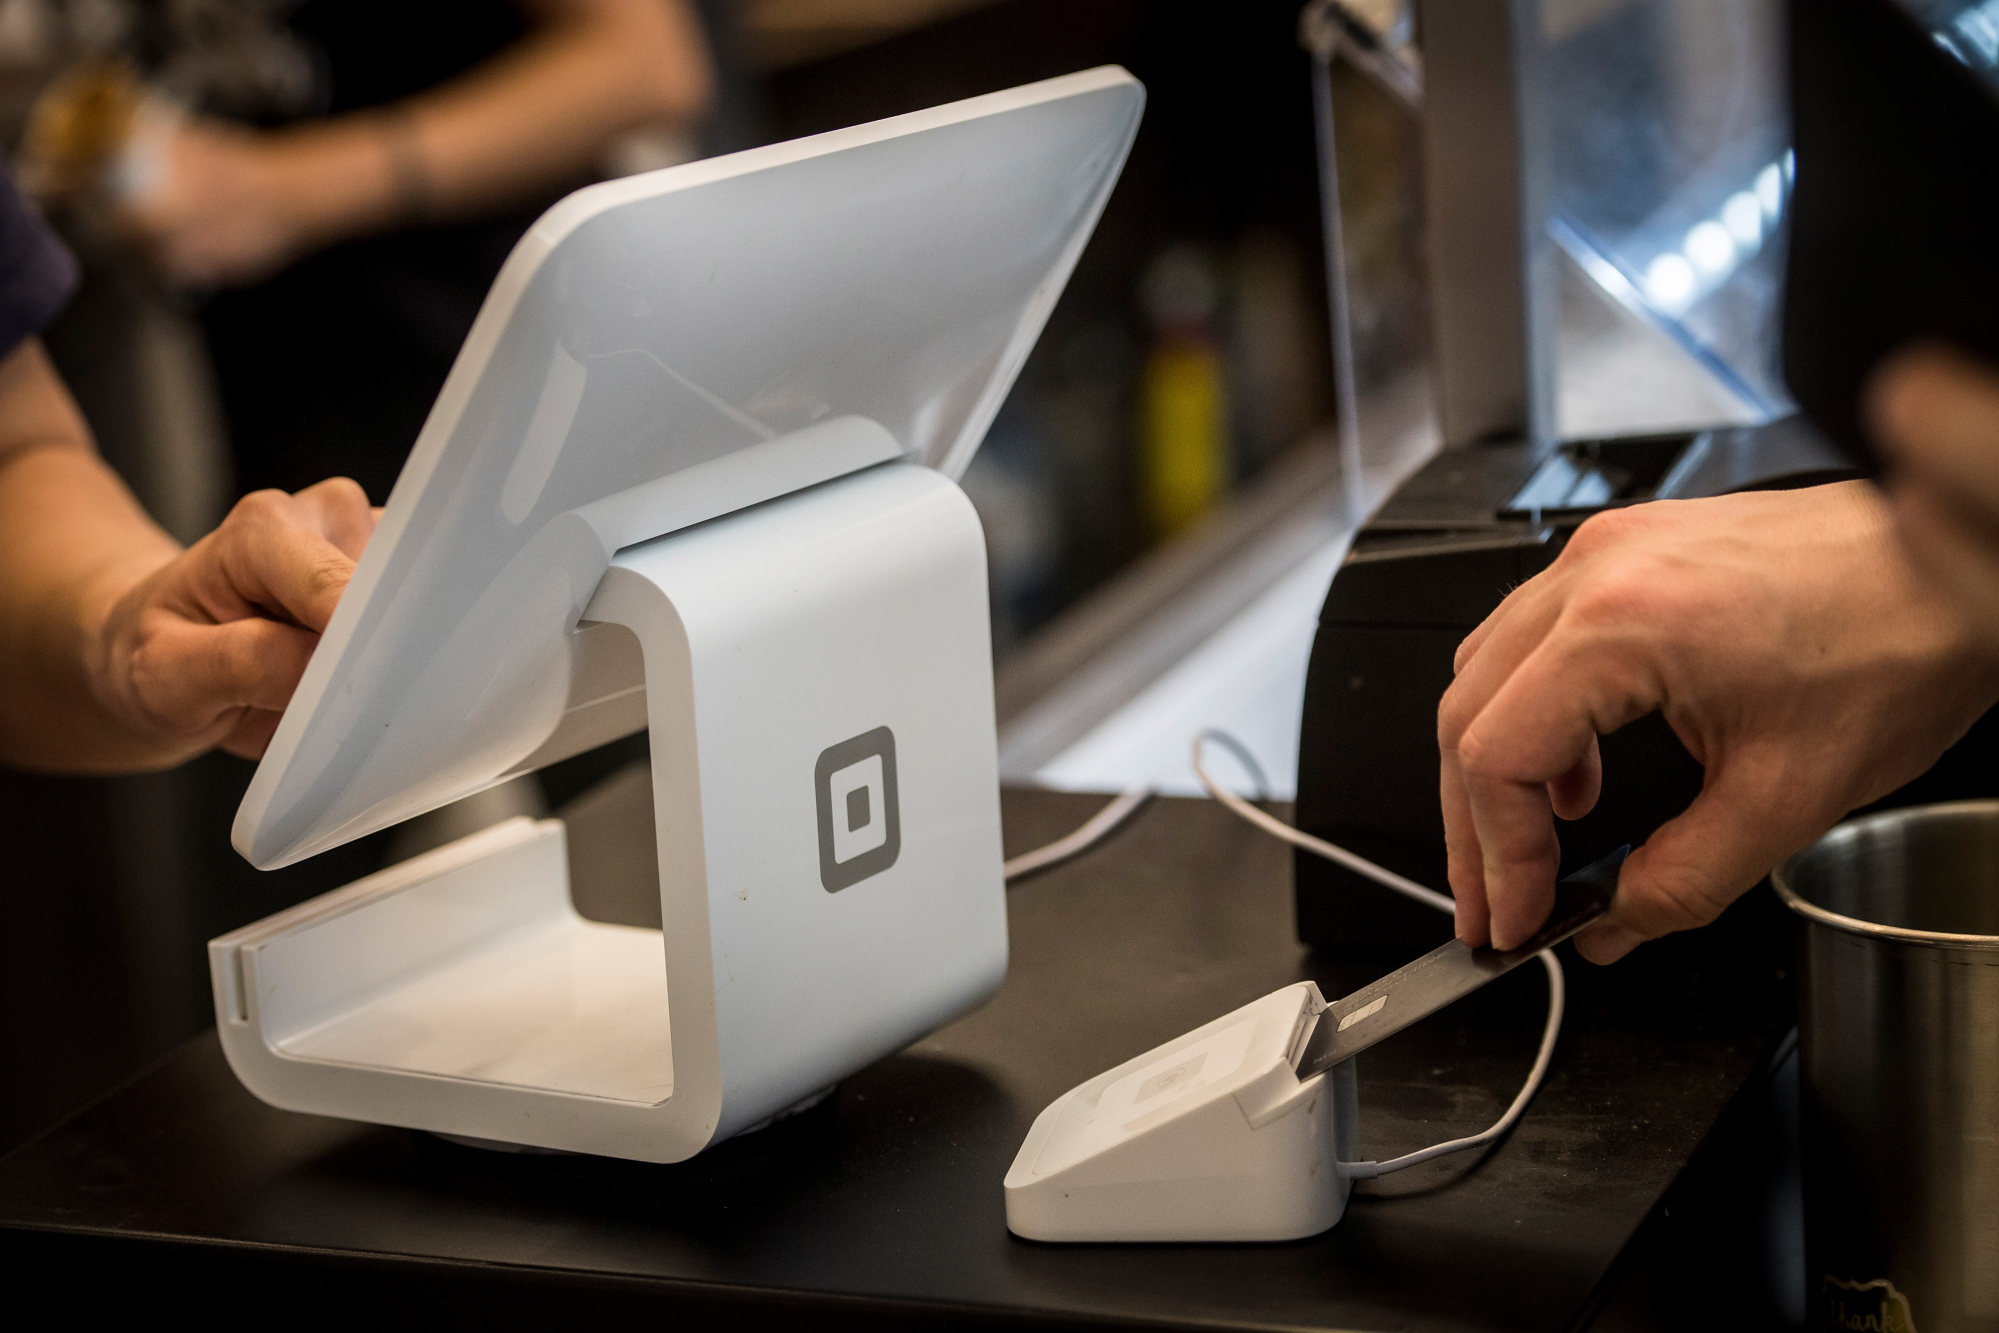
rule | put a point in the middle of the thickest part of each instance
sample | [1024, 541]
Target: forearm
[72, 541]
[522, 121]
[528, 117]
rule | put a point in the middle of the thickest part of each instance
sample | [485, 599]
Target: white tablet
[656, 352]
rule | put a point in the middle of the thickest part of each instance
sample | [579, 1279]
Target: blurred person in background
[345, 178]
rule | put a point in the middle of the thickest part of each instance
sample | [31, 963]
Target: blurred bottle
[1183, 394]
[112, 81]
[1279, 367]
[97, 135]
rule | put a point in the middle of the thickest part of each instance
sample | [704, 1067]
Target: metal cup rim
[1811, 911]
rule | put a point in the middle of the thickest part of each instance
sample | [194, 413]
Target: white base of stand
[495, 1145]
[818, 687]
[1211, 1137]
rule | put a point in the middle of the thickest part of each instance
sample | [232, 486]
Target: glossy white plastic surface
[460, 992]
[658, 351]
[1210, 1137]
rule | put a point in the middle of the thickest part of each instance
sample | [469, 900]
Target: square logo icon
[860, 817]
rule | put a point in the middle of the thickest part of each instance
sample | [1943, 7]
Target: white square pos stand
[818, 688]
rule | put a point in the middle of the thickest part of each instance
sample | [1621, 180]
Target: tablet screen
[659, 351]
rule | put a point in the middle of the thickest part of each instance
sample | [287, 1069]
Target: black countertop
[883, 1206]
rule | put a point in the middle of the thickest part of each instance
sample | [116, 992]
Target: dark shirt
[330, 367]
[37, 272]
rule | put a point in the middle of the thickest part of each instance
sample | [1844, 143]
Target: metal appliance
[1898, 1026]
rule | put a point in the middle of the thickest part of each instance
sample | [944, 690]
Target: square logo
[860, 818]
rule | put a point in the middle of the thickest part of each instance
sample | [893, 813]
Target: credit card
[1383, 1008]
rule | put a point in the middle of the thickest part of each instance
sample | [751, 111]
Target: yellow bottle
[1183, 433]
[1183, 427]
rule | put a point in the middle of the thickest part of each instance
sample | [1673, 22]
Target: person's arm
[1935, 414]
[236, 204]
[1788, 639]
[120, 652]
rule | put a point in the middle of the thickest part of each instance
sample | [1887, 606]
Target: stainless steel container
[1898, 1022]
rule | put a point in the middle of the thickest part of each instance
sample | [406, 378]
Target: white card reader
[1210, 1137]
[1247, 1128]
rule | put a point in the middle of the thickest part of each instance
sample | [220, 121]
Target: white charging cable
[1094, 830]
[1120, 808]
[1360, 865]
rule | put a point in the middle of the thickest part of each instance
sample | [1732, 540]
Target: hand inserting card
[1419, 989]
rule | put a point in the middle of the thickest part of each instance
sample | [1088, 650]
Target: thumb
[1698, 863]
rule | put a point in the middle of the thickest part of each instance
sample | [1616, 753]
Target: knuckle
[1463, 654]
[1476, 757]
[342, 493]
[1681, 900]
[1625, 595]
[1454, 718]
[154, 684]
[1606, 528]
[327, 576]
[259, 507]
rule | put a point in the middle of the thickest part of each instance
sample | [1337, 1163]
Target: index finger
[272, 554]
[1470, 646]
[1464, 870]
[1536, 728]
[338, 508]
[1485, 660]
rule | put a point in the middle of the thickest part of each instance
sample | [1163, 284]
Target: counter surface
[883, 1206]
